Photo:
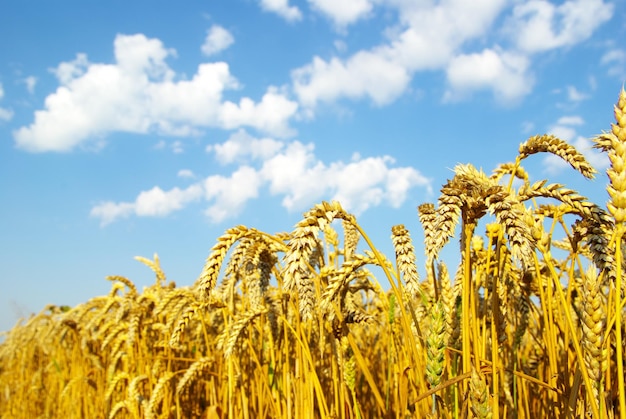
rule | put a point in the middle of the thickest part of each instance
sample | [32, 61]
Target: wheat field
[318, 323]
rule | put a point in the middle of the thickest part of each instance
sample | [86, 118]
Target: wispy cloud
[615, 62]
[5, 114]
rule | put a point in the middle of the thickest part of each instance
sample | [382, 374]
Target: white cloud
[435, 35]
[291, 171]
[30, 82]
[615, 60]
[428, 37]
[151, 203]
[230, 194]
[570, 120]
[573, 95]
[185, 174]
[343, 12]
[109, 212]
[283, 9]
[177, 147]
[302, 179]
[217, 39]
[241, 145]
[6, 114]
[539, 25]
[139, 93]
[503, 72]
[363, 74]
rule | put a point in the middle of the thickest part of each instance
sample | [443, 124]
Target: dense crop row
[529, 325]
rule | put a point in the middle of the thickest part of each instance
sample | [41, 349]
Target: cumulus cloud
[283, 9]
[154, 202]
[342, 12]
[240, 146]
[229, 194]
[364, 74]
[504, 73]
[427, 37]
[140, 93]
[290, 170]
[565, 128]
[434, 36]
[539, 25]
[217, 39]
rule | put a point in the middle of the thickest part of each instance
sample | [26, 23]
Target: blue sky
[129, 128]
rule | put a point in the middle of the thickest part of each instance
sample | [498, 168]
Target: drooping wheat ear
[119, 406]
[435, 344]
[120, 328]
[188, 314]
[208, 278]
[134, 395]
[351, 238]
[229, 338]
[558, 147]
[598, 222]
[479, 395]
[118, 378]
[510, 213]
[193, 372]
[463, 195]
[155, 265]
[593, 326]
[405, 259]
[131, 287]
[303, 244]
[158, 393]
[259, 261]
[337, 285]
[512, 169]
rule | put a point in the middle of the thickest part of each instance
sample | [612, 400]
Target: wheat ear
[558, 147]
[302, 246]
